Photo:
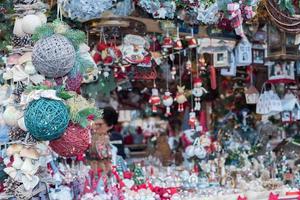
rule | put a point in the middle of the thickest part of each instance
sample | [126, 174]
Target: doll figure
[198, 91]
[154, 99]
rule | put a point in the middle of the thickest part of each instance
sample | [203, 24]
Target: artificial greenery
[287, 6]
[77, 37]
[82, 117]
[6, 24]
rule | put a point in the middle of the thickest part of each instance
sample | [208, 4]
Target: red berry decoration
[74, 141]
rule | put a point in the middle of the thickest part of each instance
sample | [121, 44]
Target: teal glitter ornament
[46, 119]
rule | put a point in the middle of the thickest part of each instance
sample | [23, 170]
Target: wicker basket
[282, 20]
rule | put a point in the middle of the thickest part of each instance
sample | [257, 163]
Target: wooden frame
[221, 59]
[258, 55]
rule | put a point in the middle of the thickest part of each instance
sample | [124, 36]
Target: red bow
[273, 196]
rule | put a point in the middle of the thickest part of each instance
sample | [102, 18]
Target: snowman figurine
[198, 91]
[168, 101]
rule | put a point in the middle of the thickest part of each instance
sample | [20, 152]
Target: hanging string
[192, 102]
[197, 63]
[251, 75]
[59, 14]
[179, 61]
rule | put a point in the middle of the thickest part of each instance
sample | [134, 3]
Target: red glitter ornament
[74, 141]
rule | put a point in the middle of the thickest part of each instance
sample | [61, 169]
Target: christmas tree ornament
[46, 119]
[30, 23]
[198, 91]
[178, 43]
[251, 93]
[181, 98]
[173, 72]
[18, 30]
[167, 42]
[192, 120]
[154, 99]
[192, 42]
[168, 101]
[74, 142]
[188, 66]
[53, 56]
[11, 116]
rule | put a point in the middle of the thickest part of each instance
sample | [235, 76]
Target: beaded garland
[46, 119]
[74, 142]
[54, 56]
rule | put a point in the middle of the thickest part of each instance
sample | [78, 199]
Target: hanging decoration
[198, 91]
[74, 142]
[181, 98]
[154, 99]
[46, 119]
[281, 72]
[167, 98]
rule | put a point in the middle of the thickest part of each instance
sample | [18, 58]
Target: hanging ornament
[173, 72]
[177, 43]
[198, 91]
[167, 42]
[188, 66]
[181, 98]
[192, 119]
[168, 101]
[192, 42]
[154, 99]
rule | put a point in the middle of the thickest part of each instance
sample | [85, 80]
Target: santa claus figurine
[168, 101]
[154, 100]
[198, 91]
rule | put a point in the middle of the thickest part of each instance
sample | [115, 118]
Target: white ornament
[11, 116]
[30, 23]
[29, 68]
[18, 31]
